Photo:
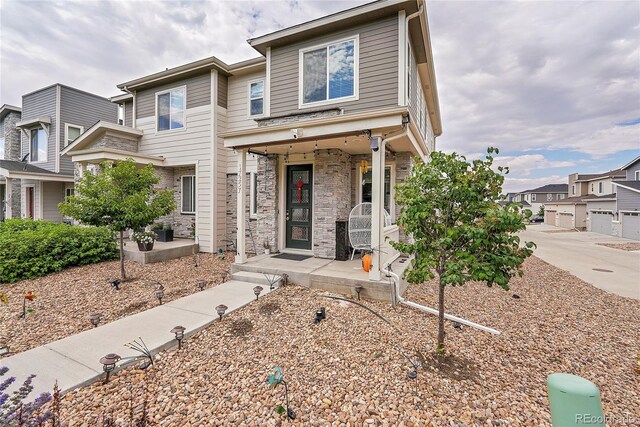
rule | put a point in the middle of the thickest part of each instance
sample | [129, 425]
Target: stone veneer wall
[253, 243]
[12, 152]
[170, 178]
[115, 143]
[331, 196]
[268, 199]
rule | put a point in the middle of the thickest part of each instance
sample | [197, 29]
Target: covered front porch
[305, 189]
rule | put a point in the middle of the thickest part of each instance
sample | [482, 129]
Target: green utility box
[574, 401]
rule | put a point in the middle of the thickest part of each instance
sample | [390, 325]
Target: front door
[299, 205]
[30, 200]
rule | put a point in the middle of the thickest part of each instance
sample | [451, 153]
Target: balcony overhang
[97, 156]
[42, 121]
[97, 131]
[18, 170]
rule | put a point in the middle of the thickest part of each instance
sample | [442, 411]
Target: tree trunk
[123, 275]
[440, 348]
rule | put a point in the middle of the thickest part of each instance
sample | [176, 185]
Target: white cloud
[515, 185]
[524, 164]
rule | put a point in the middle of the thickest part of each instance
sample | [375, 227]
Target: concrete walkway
[75, 361]
[579, 254]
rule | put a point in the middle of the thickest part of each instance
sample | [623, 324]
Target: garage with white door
[630, 222]
[565, 220]
[601, 221]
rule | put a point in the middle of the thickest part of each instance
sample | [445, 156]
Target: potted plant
[164, 232]
[267, 249]
[145, 240]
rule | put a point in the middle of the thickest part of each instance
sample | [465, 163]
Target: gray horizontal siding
[628, 200]
[36, 104]
[198, 94]
[378, 68]
[631, 171]
[82, 109]
[128, 114]
[223, 84]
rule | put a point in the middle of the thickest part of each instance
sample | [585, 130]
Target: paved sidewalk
[75, 361]
[579, 254]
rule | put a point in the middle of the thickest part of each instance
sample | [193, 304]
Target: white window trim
[249, 99]
[356, 73]
[66, 132]
[573, 190]
[162, 92]
[253, 189]
[183, 212]
[46, 159]
[533, 197]
[636, 175]
[392, 201]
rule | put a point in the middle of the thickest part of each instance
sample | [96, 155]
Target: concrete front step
[253, 277]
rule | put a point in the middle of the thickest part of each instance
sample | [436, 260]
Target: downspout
[397, 298]
[133, 112]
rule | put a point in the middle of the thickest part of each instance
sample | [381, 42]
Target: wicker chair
[360, 227]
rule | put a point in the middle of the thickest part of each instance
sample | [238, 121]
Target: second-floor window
[549, 197]
[256, 98]
[188, 203]
[573, 189]
[601, 187]
[171, 105]
[72, 132]
[329, 72]
[38, 145]
[637, 175]
[560, 196]
[533, 197]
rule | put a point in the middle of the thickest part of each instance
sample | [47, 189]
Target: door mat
[292, 257]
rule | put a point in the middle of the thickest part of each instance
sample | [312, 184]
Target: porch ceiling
[352, 144]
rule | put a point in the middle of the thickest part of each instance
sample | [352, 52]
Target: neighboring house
[278, 148]
[628, 202]
[537, 197]
[9, 153]
[52, 117]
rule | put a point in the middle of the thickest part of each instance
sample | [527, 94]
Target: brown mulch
[64, 300]
[628, 246]
[349, 370]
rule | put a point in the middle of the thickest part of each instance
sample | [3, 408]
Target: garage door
[630, 225]
[565, 220]
[601, 222]
[550, 217]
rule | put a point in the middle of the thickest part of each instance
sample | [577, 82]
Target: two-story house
[51, 118]
[9, 160]
[535, 198]
[626, 222]
[280, 147]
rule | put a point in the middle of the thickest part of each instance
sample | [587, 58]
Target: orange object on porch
[366, 262]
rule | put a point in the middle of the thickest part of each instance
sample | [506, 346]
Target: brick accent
[331, 196]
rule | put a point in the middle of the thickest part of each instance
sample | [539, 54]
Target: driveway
[578, 253]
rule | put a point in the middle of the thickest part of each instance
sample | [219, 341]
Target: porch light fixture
[160, 293]
[376, 141]
[109, 364]
[221, 309]
[95, 318]
[257, 290]
[179, 333]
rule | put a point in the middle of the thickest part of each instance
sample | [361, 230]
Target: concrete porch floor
[335, 276]
[162, 251]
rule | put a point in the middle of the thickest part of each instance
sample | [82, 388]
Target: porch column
[8, 198]
[377, 207]
[241, 255]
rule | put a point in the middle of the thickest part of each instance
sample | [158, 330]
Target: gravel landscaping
[628, 246]
[64, 300]
[346, 371]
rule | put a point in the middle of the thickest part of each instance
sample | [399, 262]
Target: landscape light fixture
[221, 309]
[95, 318]
[179, 333]
[256, 291]
[201, 284]
[412, 375]
[4, 350]
[115, 283]
[160, 293]
[321, 314]
[109, 364]
[358, 290]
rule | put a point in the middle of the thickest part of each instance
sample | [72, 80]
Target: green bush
[31, 248]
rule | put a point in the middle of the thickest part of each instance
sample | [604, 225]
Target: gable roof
[632, 162]
[629, 185]
[7, 108]
[96, 131]
[21, 170]
[616, 173]
[550, 188]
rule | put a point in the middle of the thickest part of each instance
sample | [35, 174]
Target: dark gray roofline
[66, 87]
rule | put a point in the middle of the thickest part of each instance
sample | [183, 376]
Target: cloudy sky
[554, 85]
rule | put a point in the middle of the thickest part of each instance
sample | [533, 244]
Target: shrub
[31, 248]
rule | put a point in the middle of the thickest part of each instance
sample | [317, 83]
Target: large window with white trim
[329, 72]
[188, 202]
[38, 152]
[170, 108]
[71, 132]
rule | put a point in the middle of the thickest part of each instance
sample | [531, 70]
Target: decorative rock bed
[344, 371]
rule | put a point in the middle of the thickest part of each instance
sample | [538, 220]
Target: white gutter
[398, 298]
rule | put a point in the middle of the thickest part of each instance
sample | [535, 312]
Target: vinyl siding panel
[82, 109]
[53, 193]
[378, 68]
[238, 104]
[417, 105]
[198, 94]
[222, 159]
[631, 171]
[41, 103]
[628, 200]
[128, 114]
[223, 83]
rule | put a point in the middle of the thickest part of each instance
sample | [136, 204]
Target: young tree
[459, 231]
[541, 211]
[121, 197]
